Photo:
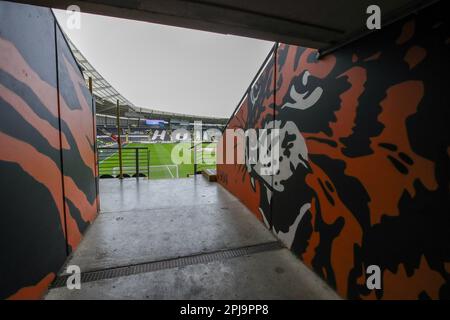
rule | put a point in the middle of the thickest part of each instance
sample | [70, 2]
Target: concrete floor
[145, 221]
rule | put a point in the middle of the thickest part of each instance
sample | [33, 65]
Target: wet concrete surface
[144, 221]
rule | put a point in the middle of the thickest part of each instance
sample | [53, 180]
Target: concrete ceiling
[320, 24]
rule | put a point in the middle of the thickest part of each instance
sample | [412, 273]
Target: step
[210, 174]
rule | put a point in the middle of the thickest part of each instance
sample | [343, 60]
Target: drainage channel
[169, 263]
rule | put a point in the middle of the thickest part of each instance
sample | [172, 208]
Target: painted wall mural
[47, 164]
[77, 125]
[364, 160]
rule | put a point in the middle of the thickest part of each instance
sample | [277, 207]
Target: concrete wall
[364, 163]
[47, 159]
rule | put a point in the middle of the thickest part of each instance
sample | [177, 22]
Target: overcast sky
[168, 68]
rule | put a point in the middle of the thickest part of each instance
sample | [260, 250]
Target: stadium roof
[101, 88]
[106, 95]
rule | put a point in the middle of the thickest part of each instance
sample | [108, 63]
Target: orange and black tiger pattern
[47, 159]
[364, 159]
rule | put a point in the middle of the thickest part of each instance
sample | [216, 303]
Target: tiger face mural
[364, 159]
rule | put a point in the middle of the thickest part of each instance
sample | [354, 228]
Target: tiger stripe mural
[364, 160]
[47, 158]
[79, 162]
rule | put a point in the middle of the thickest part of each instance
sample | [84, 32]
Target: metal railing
[135, 162]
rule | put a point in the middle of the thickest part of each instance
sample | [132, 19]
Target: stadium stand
[147, 136]
[137, 124]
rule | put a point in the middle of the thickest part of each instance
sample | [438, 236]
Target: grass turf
[154, 159]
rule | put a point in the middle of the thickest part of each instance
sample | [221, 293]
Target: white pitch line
[108, 157]
[167, 166]
[170, 172]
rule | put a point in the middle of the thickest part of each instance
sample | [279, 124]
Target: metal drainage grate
[169, 263]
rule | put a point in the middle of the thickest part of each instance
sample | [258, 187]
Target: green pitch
[154, 160]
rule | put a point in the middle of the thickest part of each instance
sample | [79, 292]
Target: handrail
[258, 73]
[130, 160]
[117, 148]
